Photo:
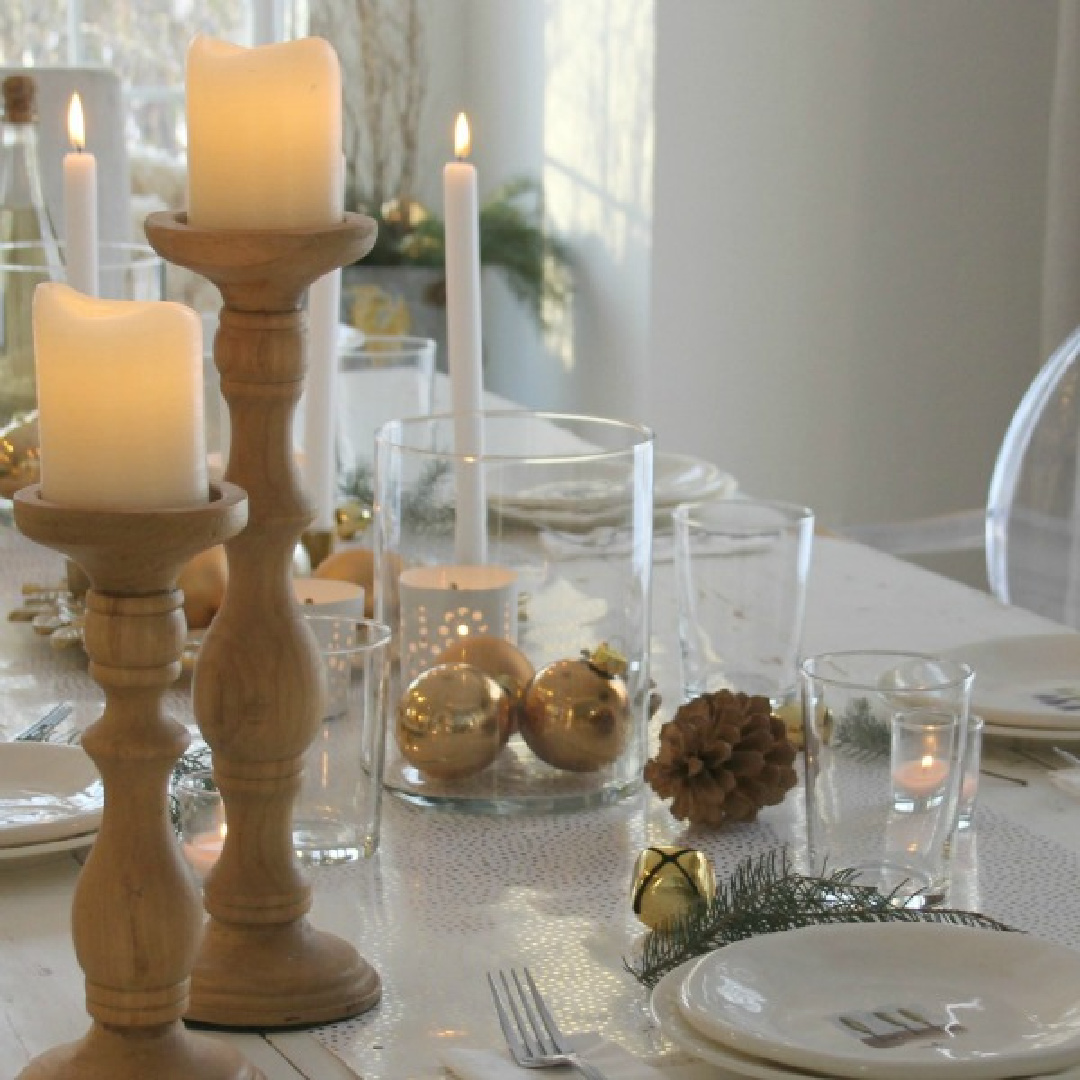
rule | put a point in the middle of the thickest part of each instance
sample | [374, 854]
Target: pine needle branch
[763, 896]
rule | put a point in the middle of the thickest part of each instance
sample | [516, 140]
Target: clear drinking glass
[884, 736]
[741, 567]
[384, 377]
[523, 678]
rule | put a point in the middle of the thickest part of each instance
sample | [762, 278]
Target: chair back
[1033, 506]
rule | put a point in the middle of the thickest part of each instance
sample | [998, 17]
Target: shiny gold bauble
[671, 883]
[450, 721]
[497, 657]
[576, 716]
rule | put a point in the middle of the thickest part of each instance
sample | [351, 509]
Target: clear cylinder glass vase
[517, 585]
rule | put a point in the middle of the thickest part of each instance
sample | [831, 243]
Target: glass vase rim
[146, 256]
[644, 435]
[795, 513]
[963, 675]
[380, 634]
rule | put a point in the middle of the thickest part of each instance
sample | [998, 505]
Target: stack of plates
[601, 499]
[1026, 687]
[880, 1001]
[51, 799]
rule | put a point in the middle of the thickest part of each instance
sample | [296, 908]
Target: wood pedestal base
[164, 1053]
[279, 977]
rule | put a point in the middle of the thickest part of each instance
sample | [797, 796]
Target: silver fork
[531, 1033]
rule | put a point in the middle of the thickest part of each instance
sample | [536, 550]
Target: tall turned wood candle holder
[136, 915]
[258, 688]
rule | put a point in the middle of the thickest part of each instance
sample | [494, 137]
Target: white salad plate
[665, 1009]
[1001, 1004]
[50, 849]
[598, 500]
[48, 792]
[1025, 682]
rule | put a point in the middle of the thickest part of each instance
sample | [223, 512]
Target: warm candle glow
[462, 138]
[927, 761]
[76, 124]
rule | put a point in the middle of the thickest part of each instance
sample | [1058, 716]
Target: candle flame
[927, 761]
[76, 123]
[462, 138]
[223, 831]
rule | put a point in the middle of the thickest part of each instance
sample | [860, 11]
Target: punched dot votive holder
[440, 604]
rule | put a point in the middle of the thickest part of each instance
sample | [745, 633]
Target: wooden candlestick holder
[258, 683]
[136, 914]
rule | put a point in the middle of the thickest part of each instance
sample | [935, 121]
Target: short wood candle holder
[258, 684]
[136, 915]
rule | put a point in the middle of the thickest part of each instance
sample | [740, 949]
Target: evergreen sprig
[861, 730]
[765, 895]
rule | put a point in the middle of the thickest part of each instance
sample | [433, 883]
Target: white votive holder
[442, 604]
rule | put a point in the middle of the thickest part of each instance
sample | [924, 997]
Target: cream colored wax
[119, 400]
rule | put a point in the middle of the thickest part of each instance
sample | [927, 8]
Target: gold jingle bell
[670, 883]
[451, 721]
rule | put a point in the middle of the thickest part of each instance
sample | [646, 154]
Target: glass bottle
[29, 254]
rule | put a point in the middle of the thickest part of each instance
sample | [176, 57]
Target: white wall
[847, 238]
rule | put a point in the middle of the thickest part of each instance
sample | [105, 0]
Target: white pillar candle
[80, 206]
[120, 401]
[461, 211]
[320, 393]
[264, 135]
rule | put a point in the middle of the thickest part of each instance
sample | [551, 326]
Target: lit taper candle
[80, 205]
[461, 210]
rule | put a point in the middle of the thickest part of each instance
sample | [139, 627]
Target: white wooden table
[450, 896]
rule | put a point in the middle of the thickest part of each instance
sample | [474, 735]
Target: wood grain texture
[136, 917]
[257, 686]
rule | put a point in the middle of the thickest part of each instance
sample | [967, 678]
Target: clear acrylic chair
[1030, 528]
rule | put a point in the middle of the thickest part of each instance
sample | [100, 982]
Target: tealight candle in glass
[201, 818]
[926, 758]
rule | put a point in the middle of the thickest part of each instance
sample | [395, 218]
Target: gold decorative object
[355, 565]
[136, 912]
[501, 660]
[19, 454]
[259, 684]
[576, 714]
[722, 757]
[670, 883]
[452, 721]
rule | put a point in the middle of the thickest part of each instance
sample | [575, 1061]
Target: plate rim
[999, 716]
[68, 825]
[851, 1066]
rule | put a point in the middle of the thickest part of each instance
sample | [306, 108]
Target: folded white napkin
[613, 1061]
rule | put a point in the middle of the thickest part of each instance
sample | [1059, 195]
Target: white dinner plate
[1004, 1004]
[1057, 735]
[665, 1009]
[600, 500]
[1022, 682]
[48, 791]
[50, 849]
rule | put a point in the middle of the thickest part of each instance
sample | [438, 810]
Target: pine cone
[722, 757]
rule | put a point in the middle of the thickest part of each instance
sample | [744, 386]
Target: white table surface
[451, 896]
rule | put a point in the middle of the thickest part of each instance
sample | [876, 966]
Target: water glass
[884, 734]
[741, 568]
[337, 814]
[969, 782]
[384, 377]
[201, 820]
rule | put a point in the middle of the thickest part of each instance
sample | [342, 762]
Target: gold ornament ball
[576, 717]
[501, 660]
[671, 883]
[450, 721]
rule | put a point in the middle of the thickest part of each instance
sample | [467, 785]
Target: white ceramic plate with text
[48, 791]
[1026, 682]
[1002, 1004]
